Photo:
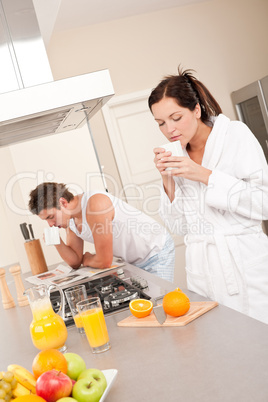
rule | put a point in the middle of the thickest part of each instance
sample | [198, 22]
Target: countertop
[220, 356]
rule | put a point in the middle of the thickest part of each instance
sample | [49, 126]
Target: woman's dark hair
[47, 195]
[187, 91]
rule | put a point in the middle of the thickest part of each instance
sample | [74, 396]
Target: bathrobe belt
[228, 249]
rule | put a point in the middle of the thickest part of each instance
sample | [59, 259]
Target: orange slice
[140, 307]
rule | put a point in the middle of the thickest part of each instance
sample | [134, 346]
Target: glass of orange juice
[74, 295]
[92, 316]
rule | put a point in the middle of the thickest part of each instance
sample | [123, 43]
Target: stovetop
[115, 291]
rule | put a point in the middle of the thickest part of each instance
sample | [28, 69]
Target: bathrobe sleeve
[241, 187]
[172, 213]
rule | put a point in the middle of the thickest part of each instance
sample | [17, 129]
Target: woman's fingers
[159, 155]
[179, 164]
[172, 161]
[159, 150]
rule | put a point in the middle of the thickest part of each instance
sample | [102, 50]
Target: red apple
[53, 385]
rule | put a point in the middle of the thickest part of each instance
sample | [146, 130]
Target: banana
[20, 390]
[23, 376]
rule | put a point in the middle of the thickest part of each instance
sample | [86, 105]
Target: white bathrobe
[227, 251]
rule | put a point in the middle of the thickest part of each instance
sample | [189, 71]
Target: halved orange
[140, 307]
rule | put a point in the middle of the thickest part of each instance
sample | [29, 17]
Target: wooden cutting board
[195, 311]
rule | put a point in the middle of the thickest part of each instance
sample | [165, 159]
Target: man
[115, 228]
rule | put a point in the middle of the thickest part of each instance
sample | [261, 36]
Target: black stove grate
[114, 293]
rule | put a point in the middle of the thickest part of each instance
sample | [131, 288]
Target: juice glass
[74, 295]
[92, 316]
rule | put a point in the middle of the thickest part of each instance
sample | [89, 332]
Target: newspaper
[64, 275]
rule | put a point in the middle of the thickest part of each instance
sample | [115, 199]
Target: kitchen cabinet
[221, 356]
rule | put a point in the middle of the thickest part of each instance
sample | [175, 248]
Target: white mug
[52, 236]
[175, 149]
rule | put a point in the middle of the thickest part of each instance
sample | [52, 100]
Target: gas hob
[115, 291]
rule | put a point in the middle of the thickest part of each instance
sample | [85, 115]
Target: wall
[223, 40]
[8, 254]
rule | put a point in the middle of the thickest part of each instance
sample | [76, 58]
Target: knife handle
[31, 230]
[25, 231]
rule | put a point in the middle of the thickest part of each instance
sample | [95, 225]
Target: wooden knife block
[35, 256]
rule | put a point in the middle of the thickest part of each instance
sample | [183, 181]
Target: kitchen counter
[220, 356]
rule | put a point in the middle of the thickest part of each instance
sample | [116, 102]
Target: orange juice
[95, 327]
[78, 321]
[48, 330]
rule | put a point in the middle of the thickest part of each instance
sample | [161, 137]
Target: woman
[216, 195]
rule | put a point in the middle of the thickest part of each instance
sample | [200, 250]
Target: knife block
[35, 257]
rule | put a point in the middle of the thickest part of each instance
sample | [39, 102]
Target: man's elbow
[75, 266]
[106, 262]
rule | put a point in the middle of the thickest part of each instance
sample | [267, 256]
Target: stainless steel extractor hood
[53, 107]
[34, 105]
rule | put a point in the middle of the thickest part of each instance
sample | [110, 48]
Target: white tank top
[136, 236]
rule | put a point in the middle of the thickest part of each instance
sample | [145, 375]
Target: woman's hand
[168, 182]
[183, 167]
[159, 154]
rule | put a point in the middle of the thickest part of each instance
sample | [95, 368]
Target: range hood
[36, 106]
[52, 108]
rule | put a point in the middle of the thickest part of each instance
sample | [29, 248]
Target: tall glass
[94, 324]
[74, 295]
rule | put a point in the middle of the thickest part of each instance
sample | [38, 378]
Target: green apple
[87, 390]
[97, 375]
[76, 365]
[67, 399]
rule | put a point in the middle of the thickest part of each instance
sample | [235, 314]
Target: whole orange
[47, 360]
[176, 303]
[29, 398]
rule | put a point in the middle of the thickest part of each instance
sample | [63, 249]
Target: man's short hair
[47, 195]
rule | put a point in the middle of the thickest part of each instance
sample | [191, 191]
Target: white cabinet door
[133, 134]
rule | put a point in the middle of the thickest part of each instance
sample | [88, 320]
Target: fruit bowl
[110, 376]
